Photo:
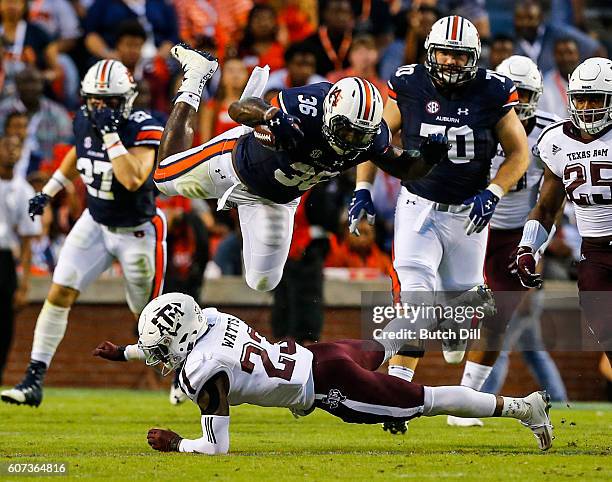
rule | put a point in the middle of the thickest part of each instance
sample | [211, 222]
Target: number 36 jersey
[259, 372]
[585, 168]
[284, 176]
[108, 201]
[467, 115]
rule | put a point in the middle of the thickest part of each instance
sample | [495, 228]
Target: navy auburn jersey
[284, 176]
[110, 203]
[467, 115]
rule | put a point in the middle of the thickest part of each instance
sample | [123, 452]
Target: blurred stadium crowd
[47, 45]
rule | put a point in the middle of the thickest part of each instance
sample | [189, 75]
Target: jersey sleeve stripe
[282, 102]
[152, 128]
[160, 258]
[182, 165]
[512, 99]
[392, 94]
[146, 135]
[149, 142]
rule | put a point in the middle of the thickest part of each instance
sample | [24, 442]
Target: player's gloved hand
[37, 204]
[286, 130]
[164, 440]
[105, 120]
[483, 206]
[110, 351]
[434, 148]
[526, 268]
[361, 205]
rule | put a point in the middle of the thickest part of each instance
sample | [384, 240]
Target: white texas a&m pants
[431, 250]
[207, 172]
[91, 247]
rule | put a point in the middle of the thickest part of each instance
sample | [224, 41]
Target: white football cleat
[176, 395]
[453, 355]
[463, 422]
[538, 420]
[193, 60]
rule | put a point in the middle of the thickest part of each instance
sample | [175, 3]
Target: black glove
[37, 204]
[286, 130]
[435, 148]
[105, 120]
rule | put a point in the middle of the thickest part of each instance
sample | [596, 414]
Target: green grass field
[101, 434]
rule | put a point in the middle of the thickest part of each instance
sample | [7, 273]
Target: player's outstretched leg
[50, 328]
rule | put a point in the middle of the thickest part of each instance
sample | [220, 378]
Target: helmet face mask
[352, 115]
[589, 95]
[168, 328]
[108, 83]
[455, 37]
[526, 110]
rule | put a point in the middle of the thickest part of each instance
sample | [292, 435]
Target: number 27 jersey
[259, 372]
[467, 115]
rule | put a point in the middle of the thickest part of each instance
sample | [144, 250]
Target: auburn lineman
[447, 210]
[114, 154]
[224, 362]
[313, 133]
[507, 223]
[578, 157]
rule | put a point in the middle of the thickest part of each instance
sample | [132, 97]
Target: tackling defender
[309, 135]
[224, 362]
[578, 157]
[114, 155]
[447, 210]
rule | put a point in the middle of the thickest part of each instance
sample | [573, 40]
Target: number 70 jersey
[467, 115]
[259, 372]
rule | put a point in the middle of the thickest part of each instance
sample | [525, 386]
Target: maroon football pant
[507, 289]
[595, 287]
[347, 385]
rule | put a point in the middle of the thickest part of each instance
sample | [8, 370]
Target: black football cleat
[396, 427]
[30, 390]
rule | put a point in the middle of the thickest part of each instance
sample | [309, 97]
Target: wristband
[189, 98]
[132, 352]
[496, 189]
[175, 443]
[57, 182]
[363, 185]
[114, 146]
[534, 235]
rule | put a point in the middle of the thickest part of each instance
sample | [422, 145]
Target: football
[265, 136]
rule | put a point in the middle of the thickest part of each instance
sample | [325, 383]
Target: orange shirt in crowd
[274, 57]
[297, 23]
[222, 120]
[341, 256]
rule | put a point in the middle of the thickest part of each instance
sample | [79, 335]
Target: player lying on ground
[225, 362]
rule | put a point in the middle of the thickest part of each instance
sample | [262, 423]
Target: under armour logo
[274, 122]
[488, 204]
[218, 171]
[555, 149]
[333, 398]
[461, 111]
[411, 202]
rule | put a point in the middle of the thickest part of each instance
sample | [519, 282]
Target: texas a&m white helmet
[168, 328]
[591, 79]
[112, 81]
[526, 77]
[456, 34]
[352, 114]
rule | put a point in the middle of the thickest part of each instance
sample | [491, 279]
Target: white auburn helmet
[352, 114]
[457, 34]
[593, 76]
[168, 328]
[112, 79]
[526, 76]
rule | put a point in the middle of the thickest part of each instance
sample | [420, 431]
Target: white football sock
[515, 408]
[474, 375]
[399, 371]
[49, 332]
[458, 401]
